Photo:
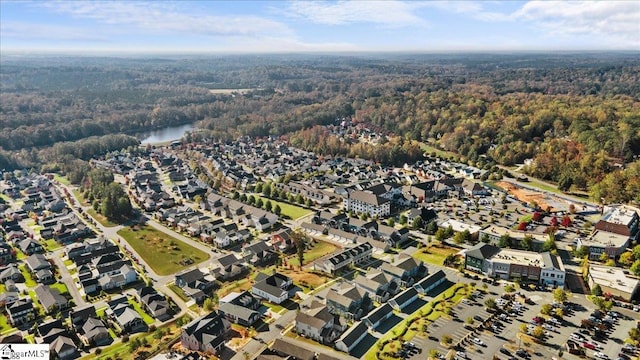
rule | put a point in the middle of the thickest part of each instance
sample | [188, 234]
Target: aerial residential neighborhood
[301, 258]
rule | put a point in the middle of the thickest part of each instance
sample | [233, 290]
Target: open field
[434, 255]
[525, 195]
[287, 210]
[306, 280]
[318, 249]
[61, 179]
[101, 218]
[166, 255]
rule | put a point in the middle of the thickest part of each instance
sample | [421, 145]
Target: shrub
[125, 338]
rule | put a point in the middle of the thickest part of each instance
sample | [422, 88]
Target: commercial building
[613, 281]
[542, 268]
[616, 230]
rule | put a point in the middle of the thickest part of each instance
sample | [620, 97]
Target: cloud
[38, 31]
[165, 17]
[618, 19]
[387, 13]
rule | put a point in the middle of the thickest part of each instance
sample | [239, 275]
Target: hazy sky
[300, 26]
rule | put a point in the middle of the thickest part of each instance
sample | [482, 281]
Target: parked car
[477, 341]
[600, 355]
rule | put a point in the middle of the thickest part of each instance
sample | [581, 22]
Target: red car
[588, 345]
[538, 320]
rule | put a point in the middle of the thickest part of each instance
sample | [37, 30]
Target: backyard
[434, 255]
[317, 250]
[156, 248]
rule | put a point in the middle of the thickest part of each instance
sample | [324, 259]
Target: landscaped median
[417, 322]
[165, 254]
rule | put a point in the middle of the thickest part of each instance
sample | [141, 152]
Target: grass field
[439, 153]
[176, 289]
[318, 250]
[28, 280]
[146, 317]
[237, 286]
[52, 245]
[101, 218]
[5, 327]
[305, 280]
[434, 255]
[61, 287]
[160, 251]
[292, 211]
[61, 179]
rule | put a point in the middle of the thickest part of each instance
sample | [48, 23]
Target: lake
[165, 134]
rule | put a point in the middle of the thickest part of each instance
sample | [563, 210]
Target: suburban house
[21, 312]
[352, 337]
[259, 253]
[11, 272]
[154, 303]
[288, 350]
[379, 285]
[125, 316]
[51, 299]
[282, 240]
[348, 301]
[194, 283]
[238, 314]
[39, 266]
[227, 267]
[244, 299]
[319, 324]
[93, 332]
[206, 334]
[30, 246]
[405, 270]
[273, 288]
[63, 348]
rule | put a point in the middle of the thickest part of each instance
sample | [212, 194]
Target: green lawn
[433, 255]
[19, 254]
[237, 286]
[440, 153]
[178, 292]
[61, 179]
[287, 210]
[161, 251]
[318, 250]
[61, 287]
[101, 218]
[426, 314]
[274, 307]
[52, 245]
[146, 317]
[100, 312]
[68, 262]
[5, 327]
[28, 280]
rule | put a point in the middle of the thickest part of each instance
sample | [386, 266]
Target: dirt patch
[526, 196]
[306, 278]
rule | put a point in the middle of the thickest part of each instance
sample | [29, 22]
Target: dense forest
[575, 116]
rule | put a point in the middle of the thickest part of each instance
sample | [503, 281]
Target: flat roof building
[614, 281]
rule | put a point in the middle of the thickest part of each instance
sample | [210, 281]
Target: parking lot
[506, 333]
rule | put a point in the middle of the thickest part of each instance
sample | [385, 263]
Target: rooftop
[619, 214]
[605, 239]
[613, 278]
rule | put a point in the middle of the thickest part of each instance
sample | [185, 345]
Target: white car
[477, 341]
[575, 337]
[461, 354]
[600, 355]
[636, 308]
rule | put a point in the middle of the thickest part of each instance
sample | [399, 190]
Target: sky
[318, 26]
